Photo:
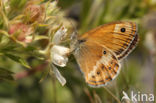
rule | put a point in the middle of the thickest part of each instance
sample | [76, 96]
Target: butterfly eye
[81, 41]
[123, 29]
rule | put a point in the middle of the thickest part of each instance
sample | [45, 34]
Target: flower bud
[21, 32]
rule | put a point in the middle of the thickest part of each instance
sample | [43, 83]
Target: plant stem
[89, 95]
[112, 94]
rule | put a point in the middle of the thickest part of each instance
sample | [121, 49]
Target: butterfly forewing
[97, 63]
[117, 36]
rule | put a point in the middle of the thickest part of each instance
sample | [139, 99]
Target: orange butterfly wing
[98, 51]
[98, 64]
[119, 37]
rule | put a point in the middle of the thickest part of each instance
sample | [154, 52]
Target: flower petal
[61, 50]
[59, 60]
[59, 35]
[58, 75]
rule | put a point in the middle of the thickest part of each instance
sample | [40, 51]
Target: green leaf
[18, 4]
[6, 74]
[18, 59]
[39, 37]
[7, 48]
[45, 74]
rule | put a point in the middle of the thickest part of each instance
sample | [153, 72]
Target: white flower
[59, 35]
[59, 55]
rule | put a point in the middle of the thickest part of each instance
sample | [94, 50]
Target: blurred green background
[138, 71]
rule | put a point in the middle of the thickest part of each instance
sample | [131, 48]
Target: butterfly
[100, 51]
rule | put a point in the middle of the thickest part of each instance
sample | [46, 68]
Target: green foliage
[6, 75]
[109, 11]
[17, 59]
[17, 4]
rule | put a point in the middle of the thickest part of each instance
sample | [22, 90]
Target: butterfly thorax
[76, 43]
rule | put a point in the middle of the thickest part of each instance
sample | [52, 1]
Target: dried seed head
[34, 12]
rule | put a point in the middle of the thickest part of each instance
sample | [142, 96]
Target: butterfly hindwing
[97, 63]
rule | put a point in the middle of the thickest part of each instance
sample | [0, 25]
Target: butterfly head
[73, 42]
[76, 42]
